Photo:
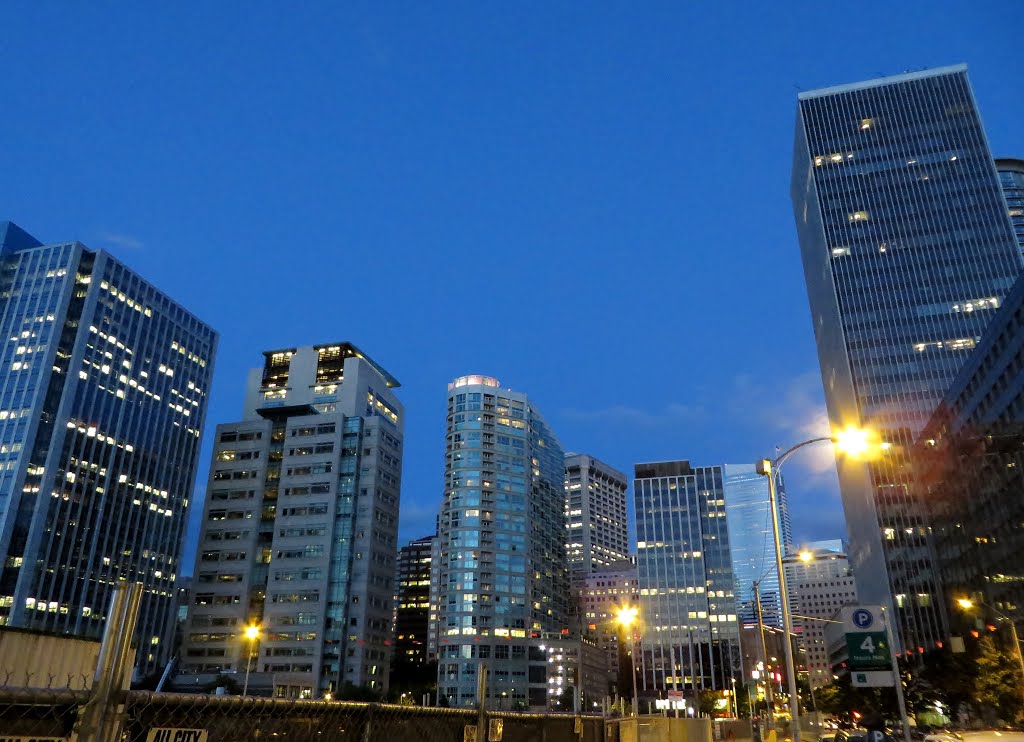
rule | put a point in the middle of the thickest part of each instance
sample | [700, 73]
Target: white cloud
[120, 240]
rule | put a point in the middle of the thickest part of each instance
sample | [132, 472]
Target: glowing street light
[252, 633]
[626, 616]
[806, 556]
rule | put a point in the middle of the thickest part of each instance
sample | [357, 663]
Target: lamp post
[626, 616]
[853, 441]
[967, 604]
[252, 633]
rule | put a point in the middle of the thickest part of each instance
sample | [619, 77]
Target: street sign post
[867, 644]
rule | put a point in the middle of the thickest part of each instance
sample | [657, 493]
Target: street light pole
[967, 604]
[769, 699]
[252, 633]
[626, 616]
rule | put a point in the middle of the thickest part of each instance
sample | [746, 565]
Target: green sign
[869, 650]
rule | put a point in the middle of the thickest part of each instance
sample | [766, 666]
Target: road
[993, 736]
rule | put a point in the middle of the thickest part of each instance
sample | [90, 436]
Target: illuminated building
[502, 571]
[689, 633]
[412, 602]
[1011, 177]
[595, 502]
[103, 394]
[908, 253]
[820, 583]
[600, 594]
[300, 527]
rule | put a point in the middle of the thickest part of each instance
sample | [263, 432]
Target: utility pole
[764, 654]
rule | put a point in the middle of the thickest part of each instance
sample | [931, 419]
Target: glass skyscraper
[104, 382]
[689, 634]
[503, 576]
[1011, 177]
[908, 253]
[751, 541]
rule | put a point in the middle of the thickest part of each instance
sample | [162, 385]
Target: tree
[997, 684]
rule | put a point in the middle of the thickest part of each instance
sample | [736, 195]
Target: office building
[908, 252]
[820, 583]
[1011, 178]
[503, 576]
[595, 503]
[103, 393]
[567, 671]
[300, 527]
[600, 595]
[970, 462]
[412, 603]
[752, 541]
[689, 631]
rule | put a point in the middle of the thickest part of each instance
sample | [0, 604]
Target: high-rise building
[690, 633]
[907, 252]
[595, 505]
[1011, 177]
[300, 527]
[752, 541]
[820, 582]
[969, 463]
[502, 570]
[103, 389]
[601, 594]
[412, 602]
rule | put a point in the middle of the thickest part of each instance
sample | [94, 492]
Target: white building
[595, 507]
[300, 527]
[820, 582]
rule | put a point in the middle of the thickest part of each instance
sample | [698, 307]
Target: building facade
[412, 602]
[752, 541]
[1011, 178]
[907, 252]
[600, 595]
[820, 583]
[595, 507]
[689, 633]
[970, 466]
[300, 527]
[502, 572]
[103, 388]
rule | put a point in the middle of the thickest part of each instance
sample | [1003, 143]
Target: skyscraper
[502, 573]
[300, 527]
[752, 542]
[907, 252]
[595, 503]
[690, 633]
[1011, 177]
[412, 609]
[820, 582]
[103, 388]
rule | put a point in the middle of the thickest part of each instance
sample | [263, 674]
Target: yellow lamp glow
[965, 603]
[806, 556]
[853, 441]
[626, 615]
[252, 631]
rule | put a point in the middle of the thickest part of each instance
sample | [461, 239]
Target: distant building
[820, 583]
[970, 464]
[565, 673]
[502, 571]
[103, 389]
[412, 602]
[1011, 178]
[595, 504]
[600, 594]
[689, 629]
[752, 542]
[300, 527]
[907, 253]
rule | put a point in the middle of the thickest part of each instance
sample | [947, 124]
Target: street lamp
[252, 633]
[855, 442]
[626, 616]
[967, 604]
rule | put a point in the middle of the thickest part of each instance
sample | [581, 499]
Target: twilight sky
[589, 201]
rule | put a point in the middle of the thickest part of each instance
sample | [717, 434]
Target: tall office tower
[1011, 177]
[595, 506]
[300, 527]
[104, 385]
[601, 594]
[412, 603]
[502, 572]
[820, 582]
[690, 635]
[752, 542]
[907, 252]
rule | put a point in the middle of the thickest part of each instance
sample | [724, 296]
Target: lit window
[866, 124]
[838, 252]
[858, 216]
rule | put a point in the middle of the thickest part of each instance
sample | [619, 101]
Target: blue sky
[589, 201]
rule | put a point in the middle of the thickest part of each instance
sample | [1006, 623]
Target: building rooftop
[879, 81]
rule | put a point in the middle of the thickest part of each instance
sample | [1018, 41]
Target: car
[943, 735]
